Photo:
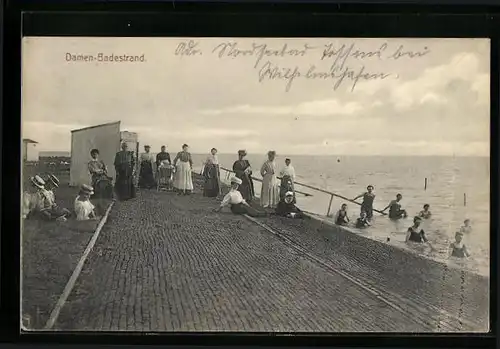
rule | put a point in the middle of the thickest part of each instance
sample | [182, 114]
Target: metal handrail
[332, 195]
[228, 171]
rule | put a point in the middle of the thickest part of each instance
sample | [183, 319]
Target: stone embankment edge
[76, 272]
[334, 228]
[324, 221]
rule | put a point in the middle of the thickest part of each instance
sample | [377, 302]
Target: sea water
[449, 179]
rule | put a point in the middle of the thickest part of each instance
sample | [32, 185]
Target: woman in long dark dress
[146, 174]
[211, 187]
[124, 167]
[243, 171]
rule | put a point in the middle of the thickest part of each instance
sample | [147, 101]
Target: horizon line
[320, 155]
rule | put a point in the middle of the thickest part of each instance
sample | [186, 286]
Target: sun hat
[236, 180]
[87, 189]
[289, 193]
[37, 181]
[54, 180]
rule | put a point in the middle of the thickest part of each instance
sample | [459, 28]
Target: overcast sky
[433, 104]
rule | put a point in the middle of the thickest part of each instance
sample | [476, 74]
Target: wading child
[457, 248]
[362, 221]
[395, 211]
[416, 233]
[466, 228]
[425, 213]
[341, 218]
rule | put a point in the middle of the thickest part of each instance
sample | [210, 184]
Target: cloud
[313, 108]
[436, 83]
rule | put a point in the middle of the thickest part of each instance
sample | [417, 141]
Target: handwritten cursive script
[189, 48]
[341, 55]
[339, 75]
[259, 51]
[344, 65]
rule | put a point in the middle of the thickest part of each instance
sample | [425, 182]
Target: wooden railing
[332, 195]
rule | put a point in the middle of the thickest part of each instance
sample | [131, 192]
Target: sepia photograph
[318, 185]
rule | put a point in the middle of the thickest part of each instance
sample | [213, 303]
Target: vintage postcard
[255, 184]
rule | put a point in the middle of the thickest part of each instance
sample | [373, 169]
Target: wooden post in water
[465, 199]
[329, 206]
[425, 186]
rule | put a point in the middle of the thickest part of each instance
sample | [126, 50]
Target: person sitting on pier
[286, 207]
[395, 211]
[46, 208]
[341, 218]
[425, 213]
[30, 198]
[466, 228]
[367, 204]
[237, 204]
[362, 221]
[84, 209]
[287, 179]
[457, 248]
[415, 232]
[51, 185]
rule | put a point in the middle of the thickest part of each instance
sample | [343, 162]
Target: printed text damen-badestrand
[101, 57]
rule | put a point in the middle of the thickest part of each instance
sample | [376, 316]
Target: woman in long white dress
[183, 163]
[269, 195]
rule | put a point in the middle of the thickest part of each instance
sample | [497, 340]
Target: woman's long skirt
[146, 177]
[183, 180]
[211, 186]
[124, 186]
[269, 194]
[246, 188]
[286, 187]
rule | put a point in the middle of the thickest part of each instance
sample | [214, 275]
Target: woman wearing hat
[287, 208]
[125, 168]
[84, 209]
[146, 174]
[269, 196]
[183, 163]
[31, 196]
[51, 185]
[46, 208]
[243, 171]
[237, 203]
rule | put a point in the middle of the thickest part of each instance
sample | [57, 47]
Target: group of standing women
[183, 167]
[270, 193]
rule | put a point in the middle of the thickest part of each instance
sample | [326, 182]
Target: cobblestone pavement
[168, 263]
[449, 299]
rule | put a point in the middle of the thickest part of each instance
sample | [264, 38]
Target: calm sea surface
[448, 179]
